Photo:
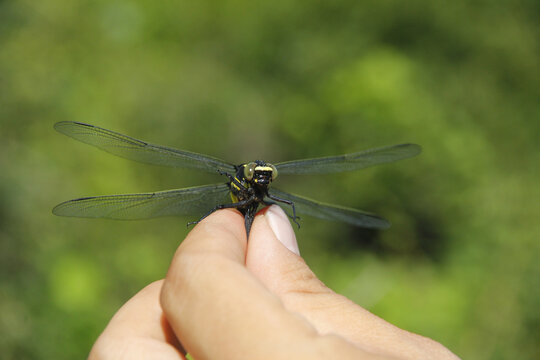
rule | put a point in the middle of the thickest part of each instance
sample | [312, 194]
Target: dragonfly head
[260, 173]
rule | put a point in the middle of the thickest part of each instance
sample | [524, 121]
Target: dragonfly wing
[189, 201]
[133, 149]
[332, 212]
[349, 162]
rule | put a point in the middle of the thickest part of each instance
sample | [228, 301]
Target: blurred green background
[279, 80]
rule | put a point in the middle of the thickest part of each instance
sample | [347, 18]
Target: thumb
[273, 258]
[273, 255]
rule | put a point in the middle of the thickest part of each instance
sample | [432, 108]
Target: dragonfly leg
[268, 203]
[231, 178]
[224, 173]
[234, 181]
[249, 216]
[223, 206]
[288, 202]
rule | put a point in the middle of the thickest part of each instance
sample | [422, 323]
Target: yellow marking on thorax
[245, 183]
[235, 186]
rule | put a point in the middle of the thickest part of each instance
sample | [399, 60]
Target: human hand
[226, 298]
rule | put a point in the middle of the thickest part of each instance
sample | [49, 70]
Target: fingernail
[281, 226]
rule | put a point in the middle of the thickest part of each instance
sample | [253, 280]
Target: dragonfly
[247, 186]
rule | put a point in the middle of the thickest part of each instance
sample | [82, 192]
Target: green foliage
[279, 80]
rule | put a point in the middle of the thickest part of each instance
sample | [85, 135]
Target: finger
[219, 310]
[285, 273]
[139, 330]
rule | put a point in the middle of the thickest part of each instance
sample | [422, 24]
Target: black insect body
[249, 188]
[248, 184]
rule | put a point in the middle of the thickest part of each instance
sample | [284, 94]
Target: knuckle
[105, 348]
[301, 280]
[190, 273]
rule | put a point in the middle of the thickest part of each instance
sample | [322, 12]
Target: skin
[227, 298]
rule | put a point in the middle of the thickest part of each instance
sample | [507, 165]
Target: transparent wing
[189, 201]
[133, 149]
[349, 162]
[332, 212]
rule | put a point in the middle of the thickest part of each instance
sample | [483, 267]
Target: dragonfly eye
[249, 170]
[274, 172]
